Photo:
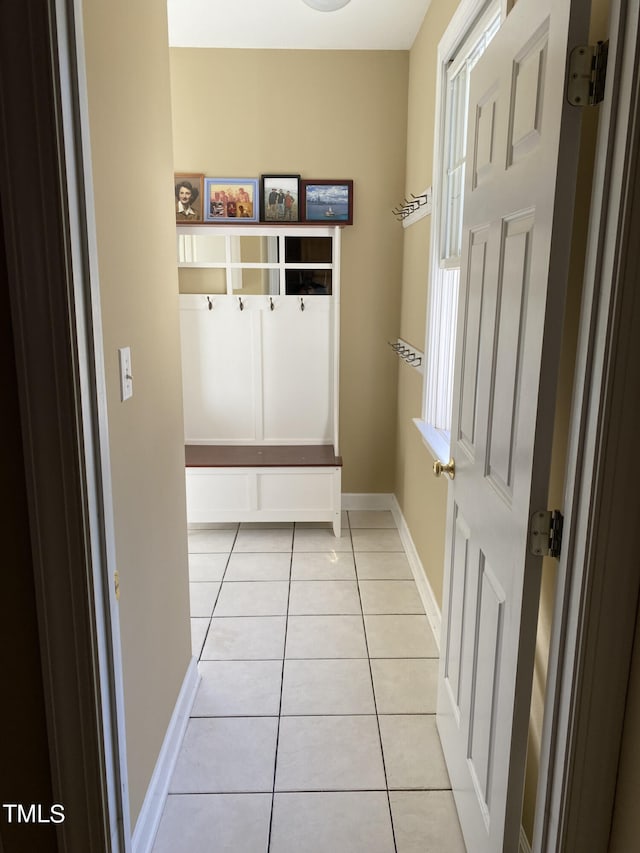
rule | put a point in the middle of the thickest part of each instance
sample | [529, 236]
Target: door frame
[54, 295]
[598, 584]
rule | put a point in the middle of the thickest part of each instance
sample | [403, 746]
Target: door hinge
[545, 533]
[587, 74]
[116, 584]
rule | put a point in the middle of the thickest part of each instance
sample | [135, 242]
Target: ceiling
[361, 25]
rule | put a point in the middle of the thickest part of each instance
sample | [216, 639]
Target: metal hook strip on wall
[420, 205]
[410, 355]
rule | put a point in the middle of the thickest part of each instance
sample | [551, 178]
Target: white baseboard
[389, 502]
[149, 818]
[420, 576]
[367, 501]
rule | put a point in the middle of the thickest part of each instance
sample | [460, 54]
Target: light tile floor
[313, 729]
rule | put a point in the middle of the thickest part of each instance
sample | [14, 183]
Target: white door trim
[75, 107]
[460, 27]
[598, 583]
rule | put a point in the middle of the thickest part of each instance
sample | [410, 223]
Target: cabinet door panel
[297, 371]
[219, 359]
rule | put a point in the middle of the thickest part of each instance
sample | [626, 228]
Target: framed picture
[327, 201]
[188, 197]
[231, 200]
[280, 198]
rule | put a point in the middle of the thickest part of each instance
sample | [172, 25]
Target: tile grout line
[284, 651]
[375, 705]
[226, 566]
[298, 714]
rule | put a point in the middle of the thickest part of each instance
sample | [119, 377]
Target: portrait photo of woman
[188, 197]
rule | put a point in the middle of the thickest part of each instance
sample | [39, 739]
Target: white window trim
[438, 441]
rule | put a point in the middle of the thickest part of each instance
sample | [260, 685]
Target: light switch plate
[126, 379]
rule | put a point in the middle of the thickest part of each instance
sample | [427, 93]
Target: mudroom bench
[260, 330]
[263, 483]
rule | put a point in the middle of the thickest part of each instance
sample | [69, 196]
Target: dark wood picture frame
[327, 201]
[280, 198]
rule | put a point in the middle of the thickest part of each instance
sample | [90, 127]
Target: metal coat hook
[210, 303]
[271, 305]
[241, 303]
[406, 352]
[301, 304]
[410, 205]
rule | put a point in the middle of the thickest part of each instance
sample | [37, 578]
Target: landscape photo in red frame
[328, 201]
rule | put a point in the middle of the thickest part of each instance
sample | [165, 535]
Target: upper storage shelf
[260, 259]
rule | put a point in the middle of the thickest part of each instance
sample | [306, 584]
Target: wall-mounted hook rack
[414, 208]
[409, 354]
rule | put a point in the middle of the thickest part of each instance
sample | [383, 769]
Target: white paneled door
[521, 163]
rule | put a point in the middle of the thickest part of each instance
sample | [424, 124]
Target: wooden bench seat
[261, 456]
[263, 483]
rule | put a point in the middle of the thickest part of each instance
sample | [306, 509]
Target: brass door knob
[448, 469]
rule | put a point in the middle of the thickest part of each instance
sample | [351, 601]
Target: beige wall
[243, 113]
[421, 497]
[131, 148]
